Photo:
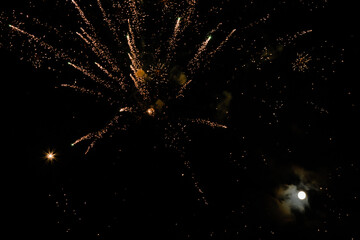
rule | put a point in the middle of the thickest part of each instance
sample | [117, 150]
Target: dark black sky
[140, 192]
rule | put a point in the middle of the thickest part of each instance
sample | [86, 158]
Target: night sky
[287, 131]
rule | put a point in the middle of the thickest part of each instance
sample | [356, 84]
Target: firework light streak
[59, 54]
[195, 62]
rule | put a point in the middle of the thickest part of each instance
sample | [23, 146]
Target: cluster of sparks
[301, 63]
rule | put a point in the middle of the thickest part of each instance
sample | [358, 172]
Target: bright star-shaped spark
[50, 156]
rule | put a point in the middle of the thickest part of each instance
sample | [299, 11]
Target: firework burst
[139, 62]
[132, 69]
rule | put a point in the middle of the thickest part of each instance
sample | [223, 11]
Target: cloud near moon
[288, 200]
[285, 203]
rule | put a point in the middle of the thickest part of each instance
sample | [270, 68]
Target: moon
[301, 195]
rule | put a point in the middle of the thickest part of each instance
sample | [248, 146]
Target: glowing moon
[301, 195]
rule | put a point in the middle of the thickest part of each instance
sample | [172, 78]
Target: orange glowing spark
[50, 156]
[151, 112]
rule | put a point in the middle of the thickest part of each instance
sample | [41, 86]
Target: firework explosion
[143, 59]
[136, 71]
